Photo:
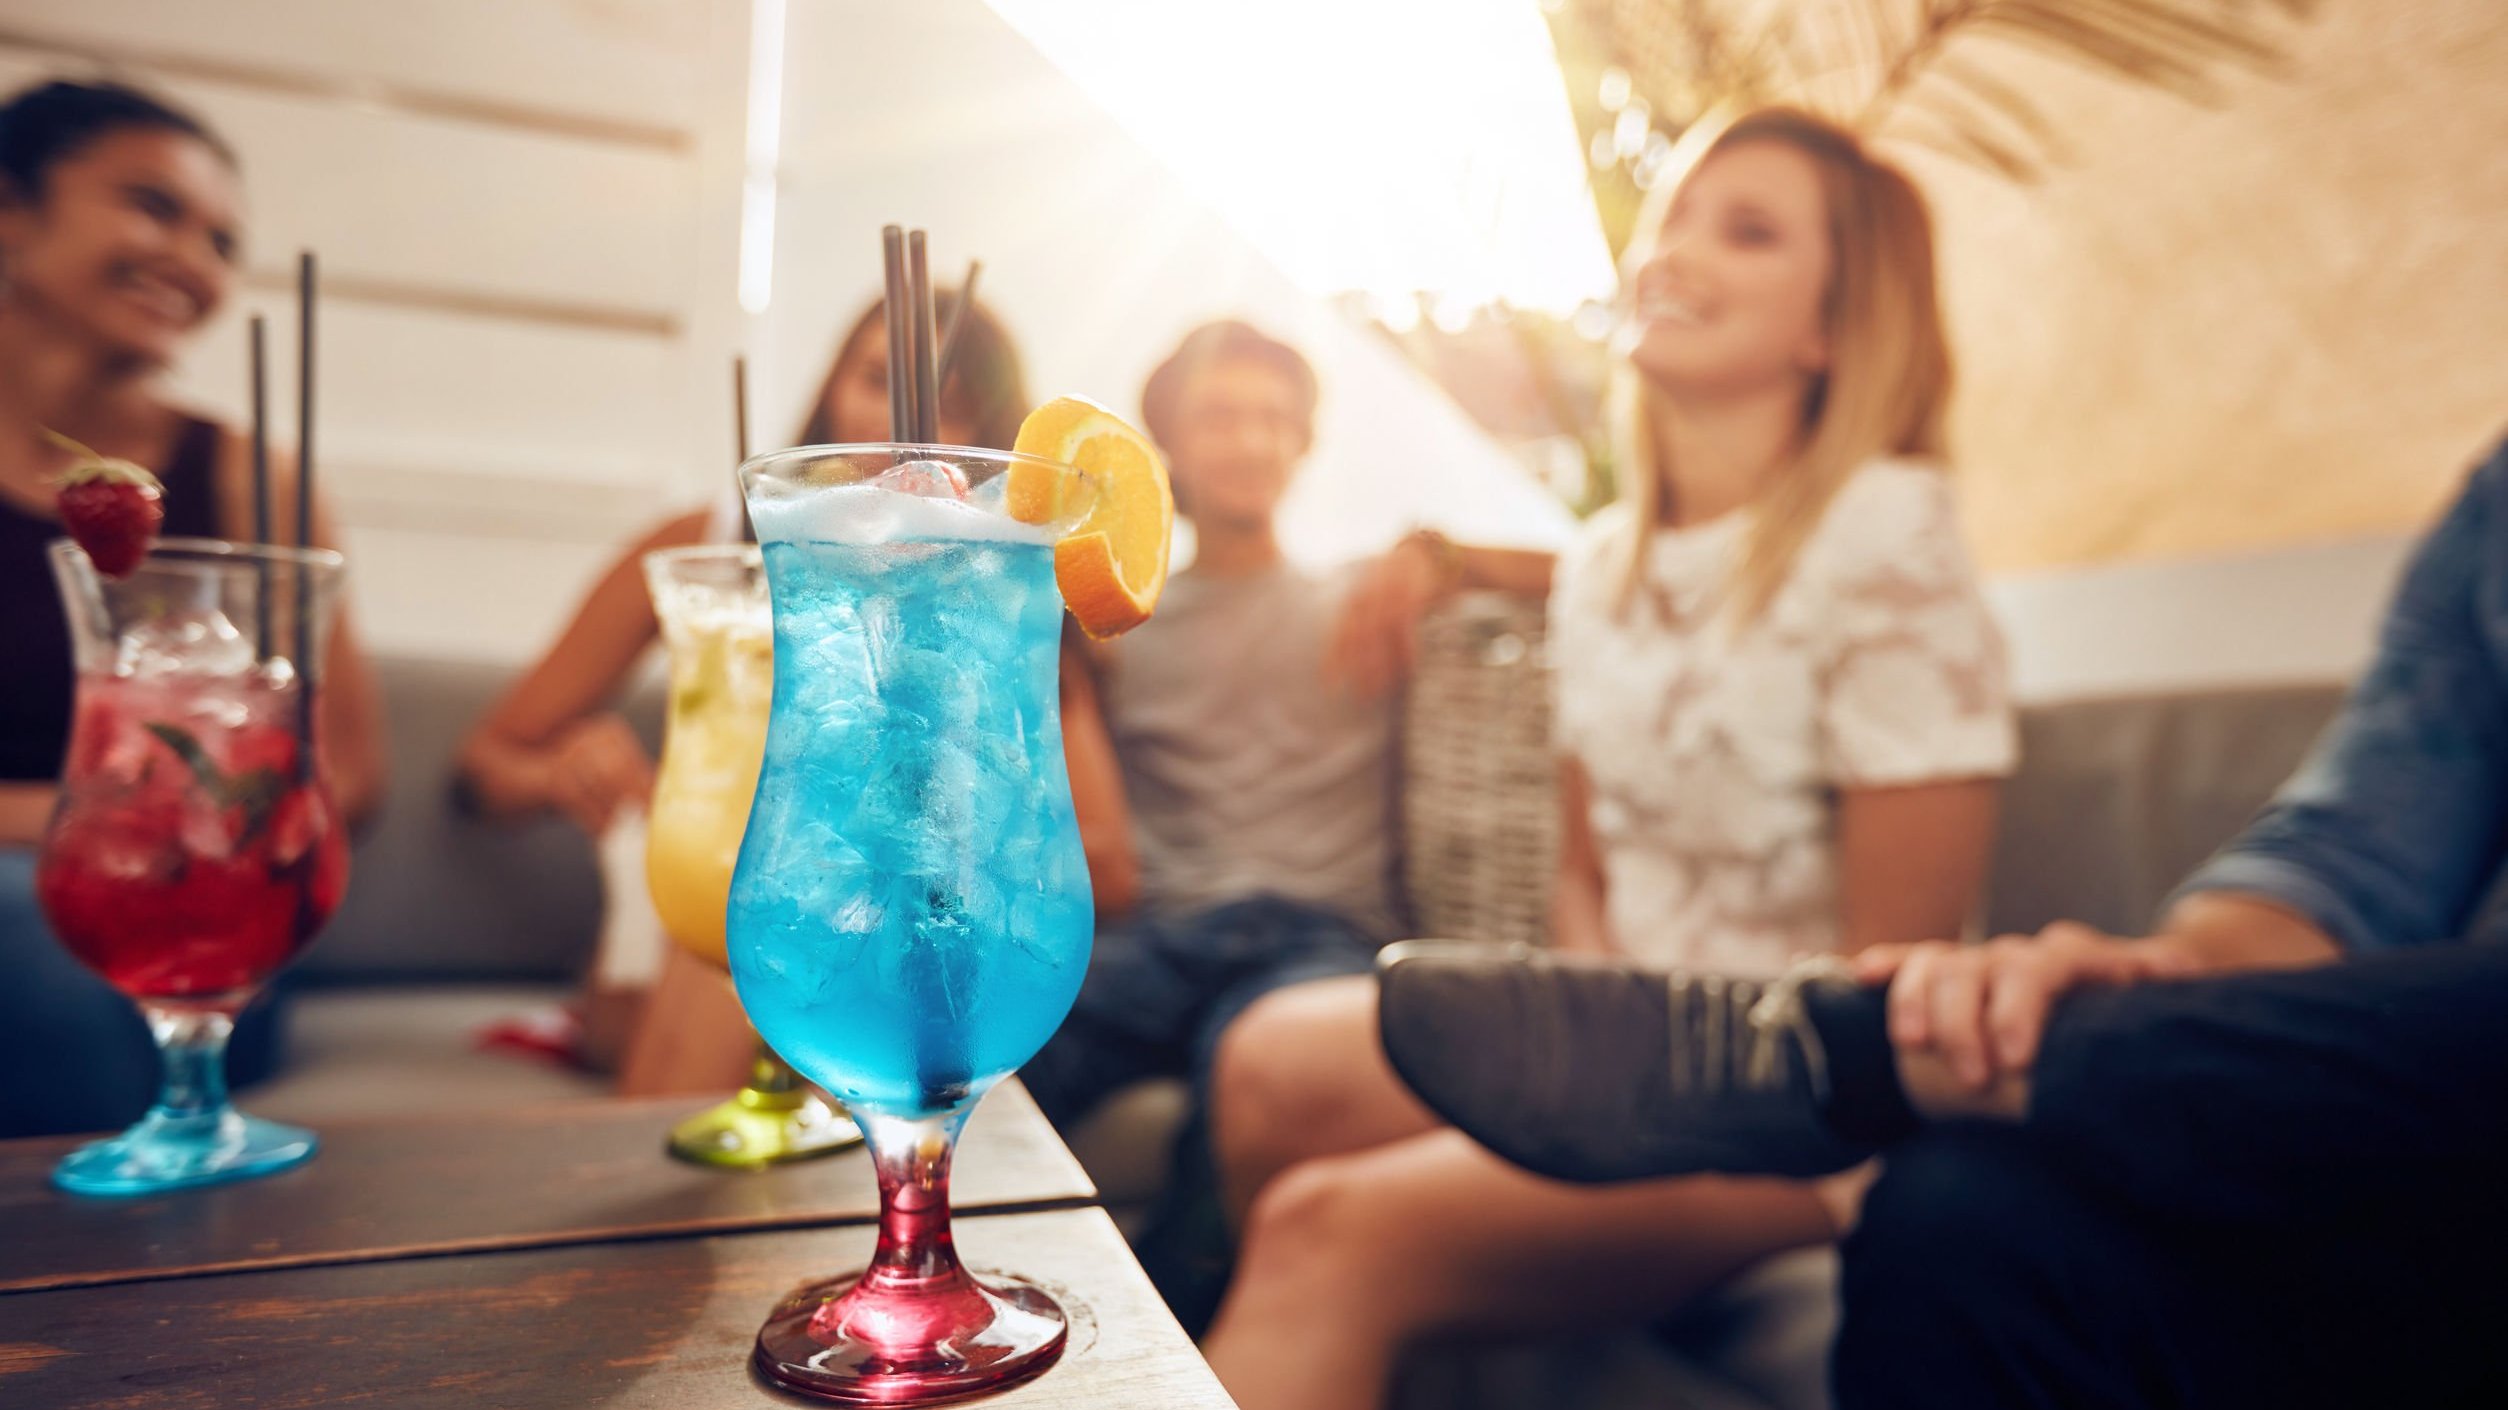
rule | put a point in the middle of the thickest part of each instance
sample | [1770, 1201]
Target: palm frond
[1932, 72]
[2129, 39]
[1972, 142]
[1964, 75]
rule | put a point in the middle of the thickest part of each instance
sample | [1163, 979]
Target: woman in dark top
[119, 234]
[35, 708]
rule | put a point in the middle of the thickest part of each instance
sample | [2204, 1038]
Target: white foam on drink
[869, 514]
[708, 609]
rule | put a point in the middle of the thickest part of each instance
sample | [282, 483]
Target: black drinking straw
[740, 405]
[912, 376]
[957, 325]
[740, 444]
[261, 487]
[926, 381]
[304, 501]
[900, 340]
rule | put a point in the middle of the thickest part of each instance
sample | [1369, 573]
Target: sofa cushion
[413, 1049]
[2117, 800]
[437, 894]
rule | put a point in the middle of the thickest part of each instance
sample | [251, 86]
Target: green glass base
[756, 1129]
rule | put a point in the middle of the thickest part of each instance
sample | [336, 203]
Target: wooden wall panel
[525, 211]
[619, 65]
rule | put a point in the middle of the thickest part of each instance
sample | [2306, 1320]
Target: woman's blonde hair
[1888, 379]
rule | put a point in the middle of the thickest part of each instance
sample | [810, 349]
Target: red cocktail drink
[192, 854]
[195, 847]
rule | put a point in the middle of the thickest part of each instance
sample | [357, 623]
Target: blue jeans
[1158, 996]
[74, 1054]
[1159, 992]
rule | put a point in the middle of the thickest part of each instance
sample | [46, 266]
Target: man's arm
[1967, 1021]
[1376, 641]
[2389, 833]
[1526, 572]
[2384, 838]
[2221, 932]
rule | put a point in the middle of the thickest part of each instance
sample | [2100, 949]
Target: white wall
[2268, 322]
[935, 113]
[2289, 616]
[527, 212]
[938, 114]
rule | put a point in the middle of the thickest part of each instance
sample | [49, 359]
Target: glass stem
[193, 1043]
[773, 1085]
[911, 1156]
[769, 1074]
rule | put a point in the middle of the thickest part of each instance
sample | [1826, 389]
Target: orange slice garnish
[1111, 565]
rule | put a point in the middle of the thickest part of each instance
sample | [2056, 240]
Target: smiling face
[1731, 296]
[131, 241]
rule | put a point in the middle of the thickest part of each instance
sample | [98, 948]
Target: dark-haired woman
[554, 742]
[120, 231]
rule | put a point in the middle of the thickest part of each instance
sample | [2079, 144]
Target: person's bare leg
[693, 1037]
[1348, 1259]
[1301, 1074]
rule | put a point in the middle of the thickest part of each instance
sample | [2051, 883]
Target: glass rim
[185, 549]
[745, 553]
[766, 461]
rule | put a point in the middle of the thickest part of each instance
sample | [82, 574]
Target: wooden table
[524, 1262]
[665, 1323]
[582, 1172]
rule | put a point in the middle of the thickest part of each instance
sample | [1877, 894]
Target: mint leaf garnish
[256, 792]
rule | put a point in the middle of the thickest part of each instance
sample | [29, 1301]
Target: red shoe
[553, 1034]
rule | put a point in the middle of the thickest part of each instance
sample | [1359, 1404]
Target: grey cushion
[410, 1049]
[2118, 799]
[436, 894]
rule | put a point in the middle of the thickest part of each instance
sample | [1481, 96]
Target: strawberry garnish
[111, 507]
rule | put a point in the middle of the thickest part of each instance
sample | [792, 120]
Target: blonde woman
[1781, 718]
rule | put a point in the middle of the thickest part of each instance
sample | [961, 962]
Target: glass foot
[174, 1153]
[836, 1341]
[757, 1129]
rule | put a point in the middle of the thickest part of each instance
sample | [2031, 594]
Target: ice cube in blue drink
[911, 916]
